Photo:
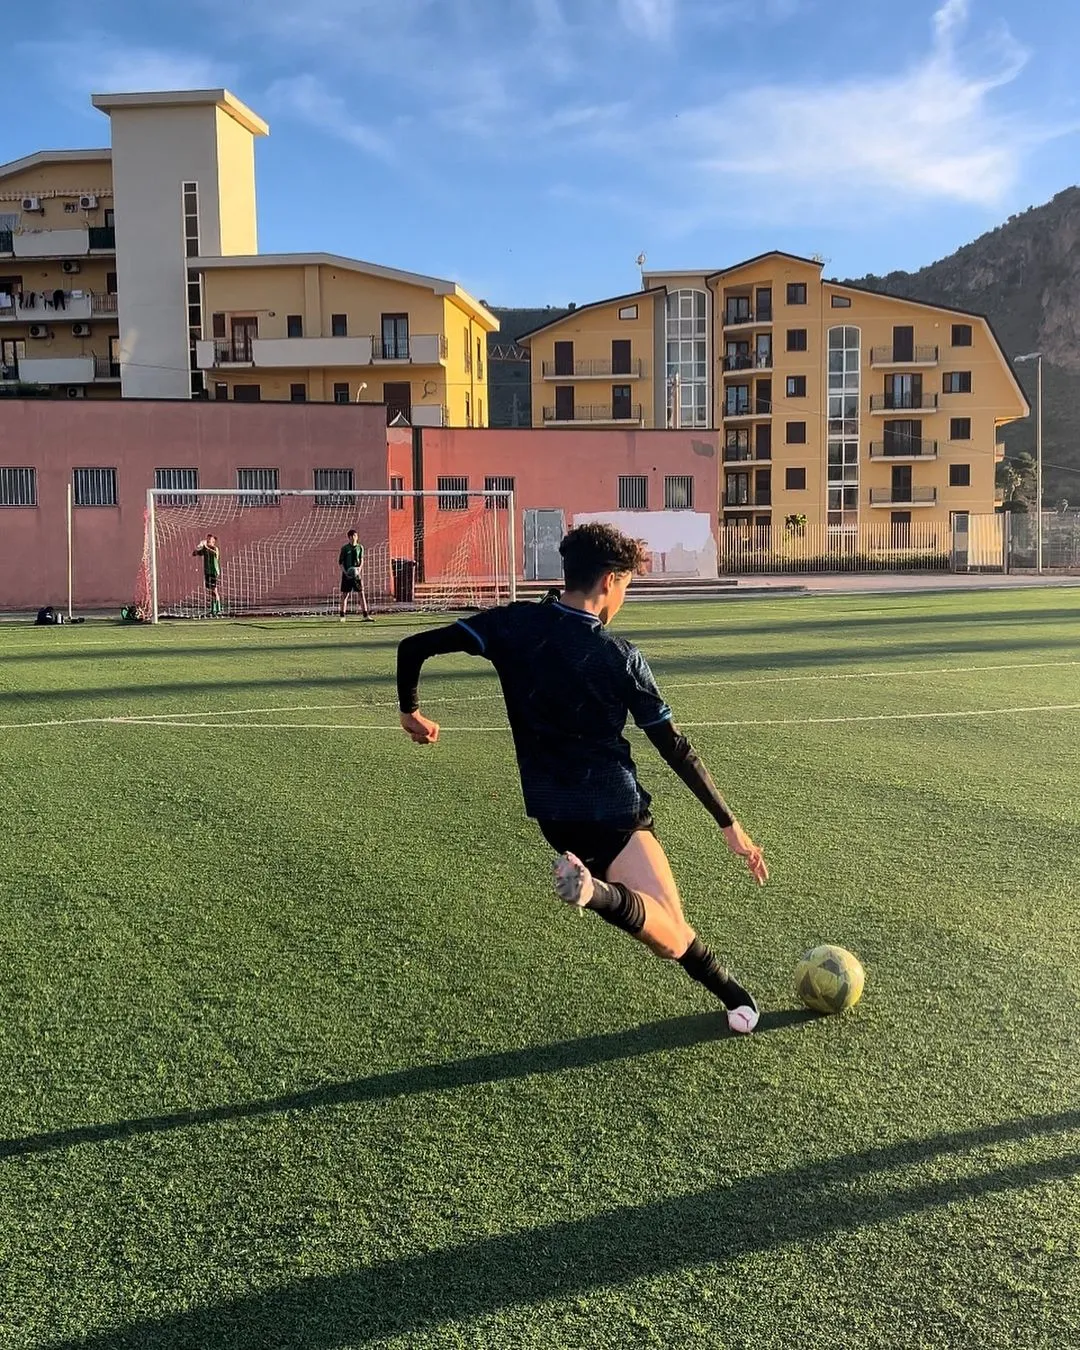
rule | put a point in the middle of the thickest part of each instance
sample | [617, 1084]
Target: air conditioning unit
[88, 202]
[80, 330]
[32, 204]
[69, 265]
[39, 330]
[76, 391]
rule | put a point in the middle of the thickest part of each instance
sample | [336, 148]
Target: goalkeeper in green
[211, 555]
[351, 562]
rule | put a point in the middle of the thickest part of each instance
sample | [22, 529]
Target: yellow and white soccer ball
[829, 979]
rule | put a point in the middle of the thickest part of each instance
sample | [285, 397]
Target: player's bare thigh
[643, 867]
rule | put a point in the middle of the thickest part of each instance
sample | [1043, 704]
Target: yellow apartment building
[134, 271]
[835, 403]
[59, 327]
[320, 328]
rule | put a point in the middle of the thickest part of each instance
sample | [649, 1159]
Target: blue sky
[532, 148]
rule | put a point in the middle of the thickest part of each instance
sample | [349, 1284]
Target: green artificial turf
[297, 1050]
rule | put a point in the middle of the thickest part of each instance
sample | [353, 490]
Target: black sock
[617, 904]
[701, 965]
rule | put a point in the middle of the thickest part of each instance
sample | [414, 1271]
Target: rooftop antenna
[640, 260]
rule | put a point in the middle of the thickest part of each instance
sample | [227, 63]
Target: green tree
[1016, 478]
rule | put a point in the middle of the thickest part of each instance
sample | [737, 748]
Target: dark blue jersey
[569, 687]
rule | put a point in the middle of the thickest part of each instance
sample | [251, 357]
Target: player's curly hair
[591, 550]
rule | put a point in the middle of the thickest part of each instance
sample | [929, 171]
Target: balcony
[103, 306]
[912, 496]
[310, 353]
[756, 407]
[237, 351]
[748, 361]
[741, 318]
[102, 239]
[51, 243]
[105, 369]
[743, 454]
[597, 414]
[909, 356]
[599, 369]
[903, 402]
[418, 349]
[428, 416]
[897, 451]
[49, 307]
[57, 370]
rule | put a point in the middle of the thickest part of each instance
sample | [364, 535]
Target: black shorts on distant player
[569, 686]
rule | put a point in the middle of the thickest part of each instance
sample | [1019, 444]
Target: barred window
[453, 493]
[679, 492]
[180, 484]
[332, 482]
[261, 484]
[497, 483]
[18, 487]
[633, 492]
[95, 487]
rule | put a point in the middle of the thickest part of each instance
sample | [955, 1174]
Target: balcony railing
[903, 402]
[749, 361]
[905, 356]
[418, 348]
[734, 317]
[601, 368]
[755, 407]
[7, 241]
[597, 412]
[105, 368]
[102, 238]
[903, 449]
[738, 497]
[236, 351]
[103, 304]
[912, 496]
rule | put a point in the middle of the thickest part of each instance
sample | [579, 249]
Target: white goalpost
[278, 550]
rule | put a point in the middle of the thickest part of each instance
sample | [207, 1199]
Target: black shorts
[211, 583]
[596, 842]
[351, 584]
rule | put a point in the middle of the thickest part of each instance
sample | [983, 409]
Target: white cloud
[107, 66]
[305, 97]
[652, 19]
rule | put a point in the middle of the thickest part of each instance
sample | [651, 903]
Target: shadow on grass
[721, 1224]
[673, 1033]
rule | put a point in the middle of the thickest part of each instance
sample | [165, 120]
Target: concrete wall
[135, 438]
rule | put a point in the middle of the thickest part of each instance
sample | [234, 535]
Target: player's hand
[419, 728]
[743, 846]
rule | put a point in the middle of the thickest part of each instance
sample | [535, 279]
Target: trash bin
[404, 572]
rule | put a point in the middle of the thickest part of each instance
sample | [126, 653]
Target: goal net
[278, 551]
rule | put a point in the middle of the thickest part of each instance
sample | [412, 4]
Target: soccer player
[351, 562]
[569, 686]
[211, 555]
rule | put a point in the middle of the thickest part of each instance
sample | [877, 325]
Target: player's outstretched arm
[411, 655]
[683, 758]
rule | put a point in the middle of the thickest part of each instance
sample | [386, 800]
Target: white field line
[749, 722]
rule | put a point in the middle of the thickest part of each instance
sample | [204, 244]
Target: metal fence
[917, 547]
[1061, 539]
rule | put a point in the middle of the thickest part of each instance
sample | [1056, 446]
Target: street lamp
[1018, 360]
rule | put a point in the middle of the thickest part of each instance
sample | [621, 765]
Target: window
[497, 483]
[796, 386]
[957, 382]
[687, 335]
[297, 393]
[9, 222]
[479, 412]
[628, 311]
[633, 492]
[341, 392]
[796, 339]
[737, 489]
[763, 304]
[110, 283]
[959, 475]
[468, 351]
[960, 429]
[262, 484]
[903, 437]
[841, 302]
[294, 326]
[95, 487]
[453, 493]
[961, 335]
[763, 441]
[564, 358]
[191, 219]
[796, 293]
[332, 482]
[397, 489]
[620, 356]
[795, 479]
[217, 325]
[247, 393]
[180, 484]
[468, 409]
[763, 487]
[621, 408]
[679, 492]
[395, 337]
[339, 325]
[18, 487]
[796, 433]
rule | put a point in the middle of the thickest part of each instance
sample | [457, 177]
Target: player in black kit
[569, 686]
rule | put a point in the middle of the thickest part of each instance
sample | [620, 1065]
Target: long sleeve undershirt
[673, 746]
